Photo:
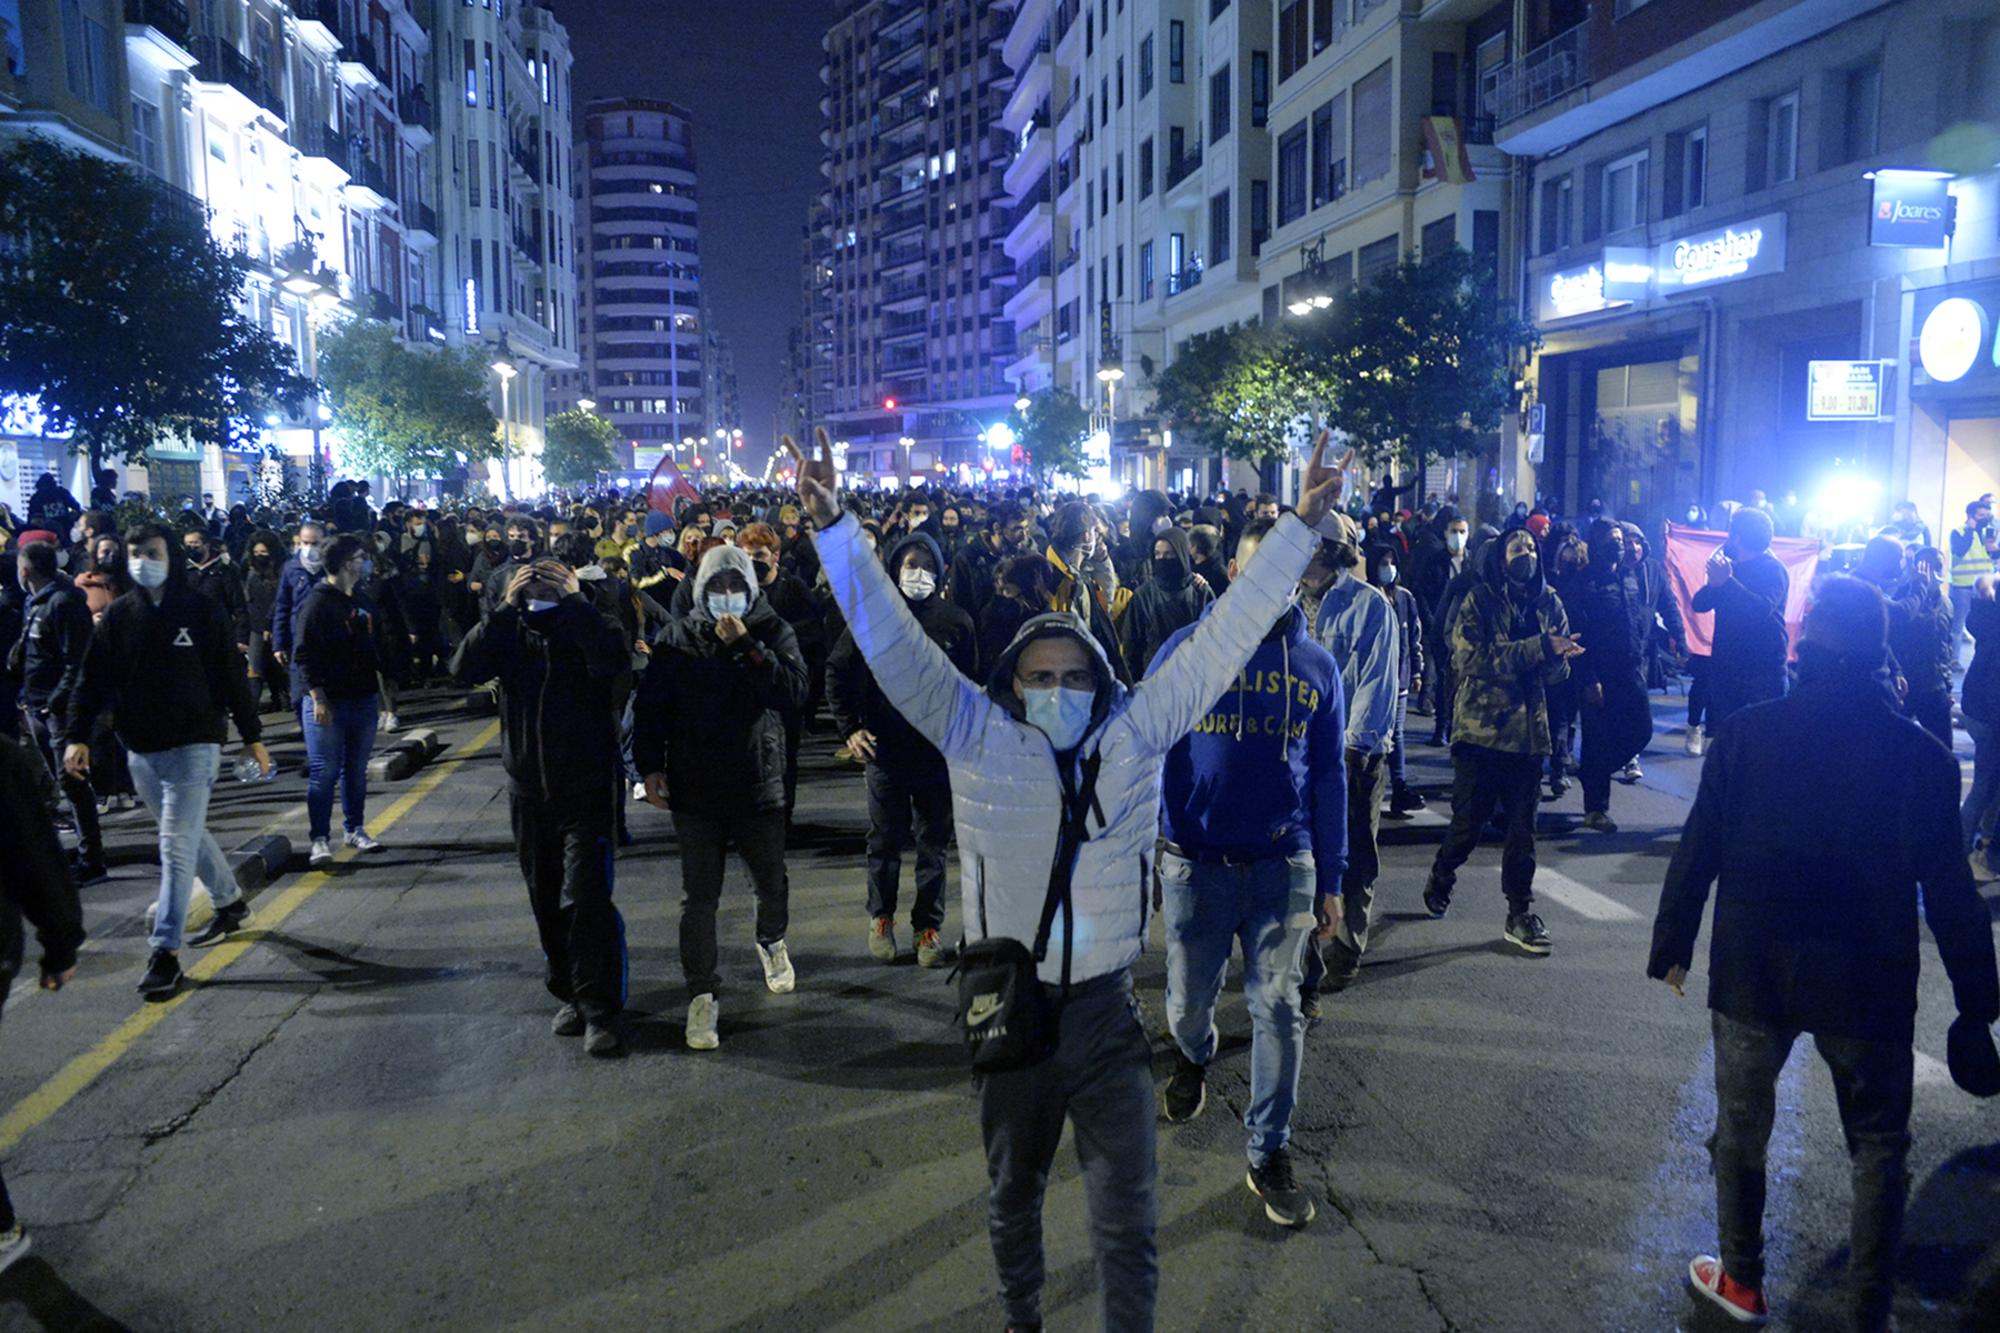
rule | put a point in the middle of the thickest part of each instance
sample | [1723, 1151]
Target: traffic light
[888, 404]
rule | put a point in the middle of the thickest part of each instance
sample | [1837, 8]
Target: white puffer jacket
[1006, 793]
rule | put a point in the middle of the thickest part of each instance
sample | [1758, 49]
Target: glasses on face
[1077, 678]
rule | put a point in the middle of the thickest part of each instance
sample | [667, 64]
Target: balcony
[414, 109]
[528, 244]
[1185, 280]
[218, 62]
[527, 157]
[180, 206]
[361, 52]
[321, 142]
[421, 218]
[326, 13]
[1558, 66]
[169, 16]
[366, 174]
[1183, 166]
[382, 306]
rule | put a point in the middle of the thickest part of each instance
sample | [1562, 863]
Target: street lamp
[586, 404]
[906, 442]
[506, 370]
[1022, 404]
[317, 289]
[1109, 377]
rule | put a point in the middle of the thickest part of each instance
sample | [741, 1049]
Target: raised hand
[1320, 488]
[819, 486]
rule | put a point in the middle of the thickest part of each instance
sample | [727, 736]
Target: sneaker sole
[1200, 1105]
[1290, 1223]
[1436, 913]
[210, 941]
[1747, 1318]
[700, 1044]
[16, 1253]
[1539, 950]
[157, 994]
[781, 986]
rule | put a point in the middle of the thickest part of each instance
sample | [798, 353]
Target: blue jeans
[1268, 905]
[337, 754]
[175, 785]
[1976, 815]
[1962, 599]
[1399, 774]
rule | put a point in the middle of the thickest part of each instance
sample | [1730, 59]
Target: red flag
[667, 496]
[1688, 550]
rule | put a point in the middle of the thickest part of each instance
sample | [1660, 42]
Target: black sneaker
[226, 922]
[1343, 965]
[163, 976]
[1599, 821]
[1186, 1090]
[568, 1022]
[602, 1040]
[1437, 899]
[1284, 1201]
[1404, 800]
[89, 872]
[1526, 931]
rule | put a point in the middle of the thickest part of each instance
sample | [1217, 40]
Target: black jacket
[223, 583]
[556, 670]
[1160, 607]
[1750, 637]
[55, 637]
[1409, 634]
[335, 648]
[1609, 613]
[1979, 697]
[35, 880]
[857, 701]
[1826, 818]
[1920, 635]
[707, 715]
[170, 673]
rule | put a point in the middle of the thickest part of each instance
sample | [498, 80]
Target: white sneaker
[1696, 742]
[387, 722]
[638, 791]
[322, 853]
[14, 1246]
[361, 842]
[702, 1016]
[779, 977]
[1631, 772]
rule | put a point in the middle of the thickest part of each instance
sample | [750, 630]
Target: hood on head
[1177, 539]
[717, 561]
[1493, 569]
[917, 538]
[1000, 682]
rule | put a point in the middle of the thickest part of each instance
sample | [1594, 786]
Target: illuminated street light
[586, 404]
[1023, 403]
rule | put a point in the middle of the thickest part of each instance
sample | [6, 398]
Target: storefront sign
[1844, 390]
[1952, 334]
[1569, 292]
[1745, 249]
[1913, 209]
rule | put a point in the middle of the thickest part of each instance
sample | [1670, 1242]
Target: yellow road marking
[74, 1077]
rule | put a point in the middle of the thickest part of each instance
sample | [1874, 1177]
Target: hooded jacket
[858, 702]
[1006, 788]
[1503, 660]
[1076, 594]
[1263, 773]
[1826, 821]
[55, 635]
[707, 713]
[556, 670]
[1357, 624]
[1750, 637]
[172, 671]
[1160, 608]
[1610, 613]
[295, 584]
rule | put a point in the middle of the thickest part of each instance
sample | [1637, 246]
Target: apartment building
[1755, 258]
[505, 177]
[915, 277]
[643, 330]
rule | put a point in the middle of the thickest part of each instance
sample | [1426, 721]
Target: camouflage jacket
[1502, 700]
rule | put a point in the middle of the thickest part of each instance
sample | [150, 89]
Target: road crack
[167, 1129]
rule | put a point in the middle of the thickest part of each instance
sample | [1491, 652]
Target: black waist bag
[1009, 1019]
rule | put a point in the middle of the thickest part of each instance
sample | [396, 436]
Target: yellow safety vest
[1976, 561]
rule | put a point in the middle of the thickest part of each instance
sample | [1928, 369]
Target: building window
[1373, 136]
[1218, 105]
[1121, 81]
[1685, 186]
[1329, 159]
[146, 136]
[1625, 192]
[1216, 9]
[1119, 269]
[1146, 64]
[1260, 215]
[1861, 112]
[1292, 49]
[1376, 259]
[1146, 271]
[1218, 228]
[1260, 88]
[1781, 139]
[1119, 178]
[1146, 169]
[1176, 52]
[1292, 174]
[1437, 237]
[1555, 217]
[1323, 21]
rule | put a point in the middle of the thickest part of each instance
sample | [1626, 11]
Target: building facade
[915, 279]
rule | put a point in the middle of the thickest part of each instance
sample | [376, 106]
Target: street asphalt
[360, 1120]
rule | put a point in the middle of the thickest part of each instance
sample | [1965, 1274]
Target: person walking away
[1384, 571]
[909, 788]
[1254, 820]
[35, 884]
[336, 662]
[48, 659]
[419, 592]
[1974, 544]
[1746, 589]
[1510, 641]
[709, 735]
[1824, 822]
[557, 659]
[1168, 601]
[1056, 740]
[163, 660]
[381, 592]
[1357, 624]
[1610, 613]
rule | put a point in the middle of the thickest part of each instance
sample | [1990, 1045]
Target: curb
[411, 752]
[258, 862]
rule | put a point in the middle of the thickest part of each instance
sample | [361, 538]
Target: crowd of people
[1193, 706]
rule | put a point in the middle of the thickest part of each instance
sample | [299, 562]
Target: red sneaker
[1743, 1304]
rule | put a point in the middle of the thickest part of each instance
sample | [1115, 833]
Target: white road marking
[1561, 889]
[1931, 1070]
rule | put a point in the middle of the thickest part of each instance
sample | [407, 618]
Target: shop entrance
[1971, 463]
[1621, 429]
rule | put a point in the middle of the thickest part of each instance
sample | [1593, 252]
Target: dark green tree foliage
[1052, 431]
[578, 446]
[401, 411]
[1240, 391]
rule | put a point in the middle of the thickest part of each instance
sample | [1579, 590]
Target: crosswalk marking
[1560, 888]
[1931, 1070]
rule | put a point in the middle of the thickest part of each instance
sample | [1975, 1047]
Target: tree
[578, 445]
[119, 311]
[402, 411]
[1423, 356]
[1052, 432]
[1238, 391]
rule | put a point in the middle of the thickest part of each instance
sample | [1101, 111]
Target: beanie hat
[657, 523]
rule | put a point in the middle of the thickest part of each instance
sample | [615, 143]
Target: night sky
[748, 71]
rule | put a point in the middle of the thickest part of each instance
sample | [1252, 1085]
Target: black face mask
[496, 551]
[1169, 573]
[520, 549]
[1521, 568]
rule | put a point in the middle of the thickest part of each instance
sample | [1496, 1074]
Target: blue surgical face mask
[1062, 715]
[312, 558]
[722, 604]
[536, 606]
[367, 568]
[149, 573]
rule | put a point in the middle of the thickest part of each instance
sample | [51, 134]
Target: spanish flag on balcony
[1444, 151]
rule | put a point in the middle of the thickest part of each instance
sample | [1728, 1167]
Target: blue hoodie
[1224, 793]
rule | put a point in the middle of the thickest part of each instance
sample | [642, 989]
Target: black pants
[1931, 710]
[1482, 779]
[1562, 728]
[566, 848]
[909, 805]
[1613, 732]
[795, 730]
[77, 791]
[1367, 775]
[705, 839]
[1732, 689]
[1871, 1085]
